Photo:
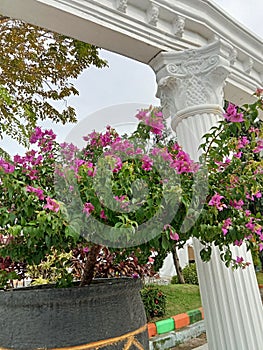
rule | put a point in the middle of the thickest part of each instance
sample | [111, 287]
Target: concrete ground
[196, 343]
[203, 347]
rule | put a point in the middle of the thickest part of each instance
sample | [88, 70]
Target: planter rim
[95, 283]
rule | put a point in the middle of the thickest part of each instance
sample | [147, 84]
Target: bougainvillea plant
[133, 195]
[233, 213]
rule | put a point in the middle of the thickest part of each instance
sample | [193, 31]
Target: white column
[190, 86]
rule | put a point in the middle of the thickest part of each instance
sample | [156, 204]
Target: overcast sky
[127, 81]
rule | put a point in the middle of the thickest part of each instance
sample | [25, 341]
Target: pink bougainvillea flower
[118, 165]
[236, 204]
[88, 208]
[103, 215]
[44, 139]
[52, 205]
[8, 168]
[226, 224]
[123, 200]
[32, 174]
[120, 198]
[251, 225]
[258, 194]
[92, 138]
[38, 192]
[147, 163]
[37, 135]
[106, 138]
[164, 153]
[152, 118]
[79, 162]
[91, 169]
[238, 155]
[259, 92]
[182, 162]
[142, 114]
[259, 146]
[238, 242]
[68, 150]
[76, 164]
[259, 233]
[119, 145]
[260, 247]
[254, 130]
[232, 114]
[86, 249]
[173, 235]
[224, 164]
[239, 259]
[248, 196]
[242, 142]
[215, 201]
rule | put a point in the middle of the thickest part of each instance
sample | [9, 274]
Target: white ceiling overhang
[140, 29]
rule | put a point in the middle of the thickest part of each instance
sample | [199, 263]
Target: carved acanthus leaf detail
[193, 65]
[166, 94]
[178, 26]
[248, 65]
[122, 5]
[192, 78]
[233, 56]
[153, 14]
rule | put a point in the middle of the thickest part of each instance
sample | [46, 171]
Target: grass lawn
[180, 298]
[184, 297]
[260, 277]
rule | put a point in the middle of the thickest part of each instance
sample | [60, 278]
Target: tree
[178, 268]
[36, 68]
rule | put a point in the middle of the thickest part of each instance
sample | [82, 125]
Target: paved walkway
[203, 347]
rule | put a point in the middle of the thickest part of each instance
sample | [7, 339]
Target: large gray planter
[108, 313]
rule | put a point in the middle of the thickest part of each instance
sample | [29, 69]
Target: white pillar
[190, 86]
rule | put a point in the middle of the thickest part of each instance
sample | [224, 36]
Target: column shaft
[190, 86]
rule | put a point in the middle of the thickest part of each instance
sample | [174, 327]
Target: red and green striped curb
[175, 322]
[261, 290]
[180, 321]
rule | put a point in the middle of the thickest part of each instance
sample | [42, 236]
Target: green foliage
[174, 280]
[255, 257]
[6, 277]
[180, 298]
[154, 301]
[234, 162]
[54, 268]
[138, 194]
[189, 273]
[37, 68]
[259, 277]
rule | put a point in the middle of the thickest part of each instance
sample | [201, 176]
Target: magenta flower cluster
[153, 118]
[232, 114]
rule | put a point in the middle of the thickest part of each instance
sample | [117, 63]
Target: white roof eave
[140, 29]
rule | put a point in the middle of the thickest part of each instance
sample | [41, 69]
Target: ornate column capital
[192, 78]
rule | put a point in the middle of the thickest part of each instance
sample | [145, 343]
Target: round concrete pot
[107, 315]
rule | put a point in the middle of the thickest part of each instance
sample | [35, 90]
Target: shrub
[174, 279]
[154, 301]
[190, 275]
